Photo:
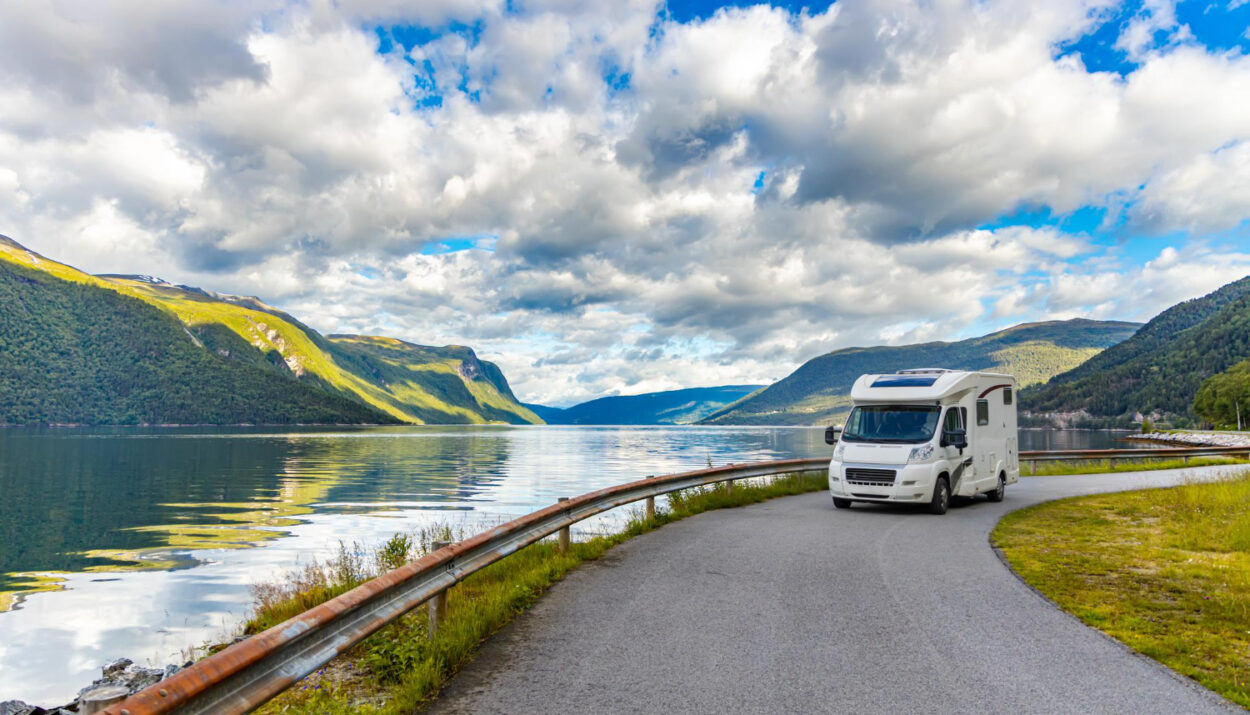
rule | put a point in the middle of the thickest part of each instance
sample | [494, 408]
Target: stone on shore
[1197, 439]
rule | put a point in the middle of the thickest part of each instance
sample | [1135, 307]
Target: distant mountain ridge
[265, 365]
[819, 390]
[669, 407]
[1160, 369]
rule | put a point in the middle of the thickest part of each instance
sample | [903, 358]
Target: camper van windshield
[891, 423]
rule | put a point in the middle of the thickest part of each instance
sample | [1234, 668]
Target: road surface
[791, 606]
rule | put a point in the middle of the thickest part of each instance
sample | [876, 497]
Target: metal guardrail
[1115, 455]
[250, 672]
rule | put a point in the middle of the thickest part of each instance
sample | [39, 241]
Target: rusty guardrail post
[437, 605]
[650, 502]
[564, 535]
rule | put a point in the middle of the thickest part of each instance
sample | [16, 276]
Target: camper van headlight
[839, 451]
[920, 454]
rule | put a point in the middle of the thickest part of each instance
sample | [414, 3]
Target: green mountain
[234, 358]
[1160, 369]
[672, 407]
[819, 391]
[437, 385]
[547, 414]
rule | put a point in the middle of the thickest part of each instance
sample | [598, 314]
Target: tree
[1224, 399]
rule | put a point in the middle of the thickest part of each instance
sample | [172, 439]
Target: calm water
[143, 543]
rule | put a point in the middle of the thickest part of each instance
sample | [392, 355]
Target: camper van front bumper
[904, 482]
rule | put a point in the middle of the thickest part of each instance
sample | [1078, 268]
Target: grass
[1103, 466]
[1165, 571]
[398, 669]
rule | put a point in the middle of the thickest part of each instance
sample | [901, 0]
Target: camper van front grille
[870, 477]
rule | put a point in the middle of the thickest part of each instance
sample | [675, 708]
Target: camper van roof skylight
[923, 371]
[902, 380]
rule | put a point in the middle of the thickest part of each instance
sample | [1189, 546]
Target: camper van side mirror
[831, 434]
[955, 438]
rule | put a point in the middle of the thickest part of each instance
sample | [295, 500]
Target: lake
[143, 543]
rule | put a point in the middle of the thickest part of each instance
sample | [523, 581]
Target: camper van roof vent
[924, 371]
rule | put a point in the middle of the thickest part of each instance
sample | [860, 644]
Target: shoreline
[1195, 439]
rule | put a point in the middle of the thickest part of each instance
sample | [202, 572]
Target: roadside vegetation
[399, 669]
[1165, 571]
[1104, 466]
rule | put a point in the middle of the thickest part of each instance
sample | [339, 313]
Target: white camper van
[922, 436]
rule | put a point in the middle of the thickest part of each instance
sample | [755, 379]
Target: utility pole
[1237, 404]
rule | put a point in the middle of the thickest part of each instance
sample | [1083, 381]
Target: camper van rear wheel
[997, 494]
[941, 497]
[841, 503]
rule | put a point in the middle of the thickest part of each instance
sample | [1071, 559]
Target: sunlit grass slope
[404, 382]
[1165, 571]
[443, 384]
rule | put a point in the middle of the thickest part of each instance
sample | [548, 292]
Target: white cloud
[270, 149]
[1138, 35]
[1209, 194]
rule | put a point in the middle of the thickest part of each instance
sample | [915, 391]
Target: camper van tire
[997, 494]
[941, 496]
[841, 503]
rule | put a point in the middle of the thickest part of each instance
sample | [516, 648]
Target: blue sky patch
[454, 244]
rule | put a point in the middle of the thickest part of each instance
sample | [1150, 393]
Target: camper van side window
[953, 420]
[983, 412]
[1006, 395]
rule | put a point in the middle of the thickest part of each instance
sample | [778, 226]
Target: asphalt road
[791, 606]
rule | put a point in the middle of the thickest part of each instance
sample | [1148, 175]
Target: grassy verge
[399, 669]
[1104, 466]
[1165, 571]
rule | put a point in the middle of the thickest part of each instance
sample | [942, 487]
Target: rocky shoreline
[118, 680]
[1195, 439]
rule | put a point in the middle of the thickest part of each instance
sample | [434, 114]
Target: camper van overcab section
[926, 435]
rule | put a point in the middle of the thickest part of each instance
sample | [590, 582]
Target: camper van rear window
[905, 381]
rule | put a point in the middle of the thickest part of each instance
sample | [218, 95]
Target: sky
[630, 196]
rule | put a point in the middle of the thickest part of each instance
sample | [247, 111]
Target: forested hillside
[78, 353]
[670, 407]
[383, 380]
[1223, 400]
[819, 391]
[1160, 369]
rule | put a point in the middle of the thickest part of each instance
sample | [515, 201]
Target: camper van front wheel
[997, 494]
[941, 496]
[841, 503]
